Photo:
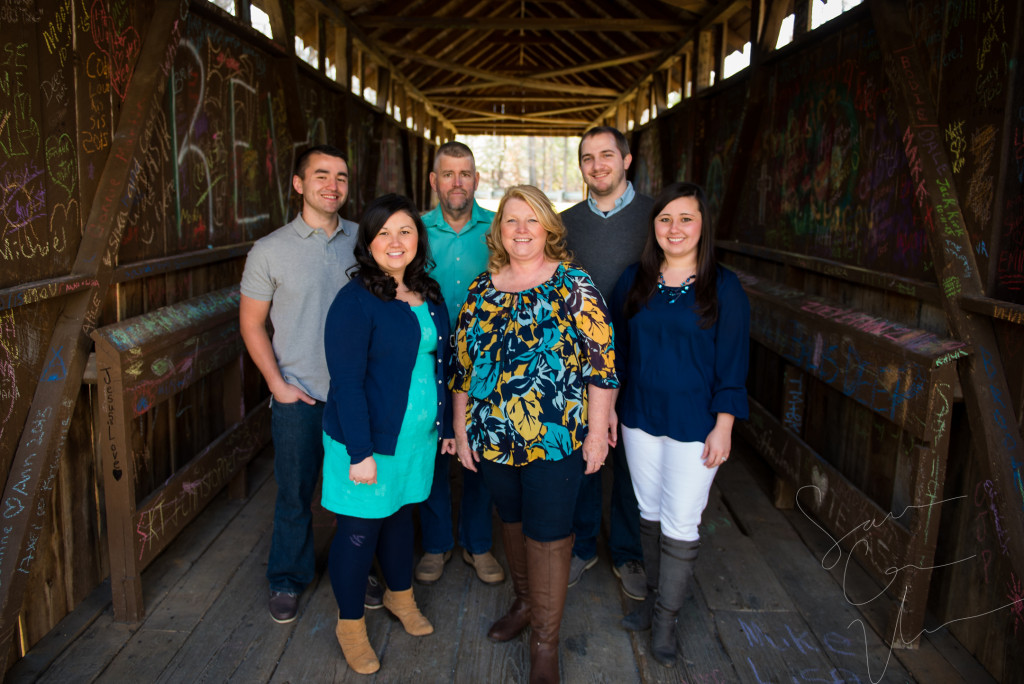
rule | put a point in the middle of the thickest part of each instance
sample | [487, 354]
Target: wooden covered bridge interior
[867, 181]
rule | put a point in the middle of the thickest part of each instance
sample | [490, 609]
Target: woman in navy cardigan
[386, 339]
[682, 328]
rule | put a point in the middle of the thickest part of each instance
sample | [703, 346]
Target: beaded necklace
[674, 293]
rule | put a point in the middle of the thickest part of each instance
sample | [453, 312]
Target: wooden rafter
[525, 24]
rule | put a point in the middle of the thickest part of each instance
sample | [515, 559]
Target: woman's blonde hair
[554, 245]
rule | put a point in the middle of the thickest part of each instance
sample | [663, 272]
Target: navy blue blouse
[371, 349]
[676, 376]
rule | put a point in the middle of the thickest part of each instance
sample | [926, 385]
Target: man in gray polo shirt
[292, 275]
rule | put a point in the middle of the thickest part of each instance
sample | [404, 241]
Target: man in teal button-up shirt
[457, 229]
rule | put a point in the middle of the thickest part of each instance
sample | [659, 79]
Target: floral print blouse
[525, 360]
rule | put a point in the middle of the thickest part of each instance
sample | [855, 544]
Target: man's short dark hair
[453, 149]
[620, 139]
[303, 160]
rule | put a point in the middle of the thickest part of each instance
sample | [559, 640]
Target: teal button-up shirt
[458, 257]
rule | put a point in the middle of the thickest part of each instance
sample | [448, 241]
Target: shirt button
[458, 258]
[458, 282]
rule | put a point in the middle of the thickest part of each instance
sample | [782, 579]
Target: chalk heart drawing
[62, 218]
[60, 161]
[820, 481]
[12, 507]
[121, 48]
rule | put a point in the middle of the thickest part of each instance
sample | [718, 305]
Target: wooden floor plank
[850, 643]
[928, 662]
[730, 570]
[479, 659]
[773, 646]
[231, 630]
[87, 656]
[763, 610]
[169, 625]
[312, 653]
[594, 647]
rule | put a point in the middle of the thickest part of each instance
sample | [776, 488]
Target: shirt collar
[623, 200]
[305, 230]
[476, 216]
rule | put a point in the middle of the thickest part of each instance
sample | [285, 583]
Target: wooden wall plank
[44, 440]
[982, 377]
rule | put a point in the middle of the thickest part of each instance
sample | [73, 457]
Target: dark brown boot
[511, 625]
[548, 576]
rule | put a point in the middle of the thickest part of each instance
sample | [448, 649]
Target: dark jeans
[297, 430]
[355, 542]
[540, 495]
[624, 541]
[474, 511]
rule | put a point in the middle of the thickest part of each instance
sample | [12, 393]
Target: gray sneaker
[578, 566]
[283, 606]
[633, 578]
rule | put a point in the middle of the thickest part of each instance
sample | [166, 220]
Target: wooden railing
[140, 363]
[904, 375]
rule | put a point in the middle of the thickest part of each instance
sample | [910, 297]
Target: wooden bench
[904, 375]
[140, 363]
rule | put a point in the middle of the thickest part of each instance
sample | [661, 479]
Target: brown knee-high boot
[548, 577]
[510, 625]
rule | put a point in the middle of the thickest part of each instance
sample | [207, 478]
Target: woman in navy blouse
[682, 328]
[386, 339]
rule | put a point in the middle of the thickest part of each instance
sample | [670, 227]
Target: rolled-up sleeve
[732, 349]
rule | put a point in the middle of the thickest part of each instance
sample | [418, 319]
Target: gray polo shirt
[300, 271]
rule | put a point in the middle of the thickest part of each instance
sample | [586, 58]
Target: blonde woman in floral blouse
[534, 383]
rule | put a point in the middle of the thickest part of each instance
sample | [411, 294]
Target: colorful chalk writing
[119, 41]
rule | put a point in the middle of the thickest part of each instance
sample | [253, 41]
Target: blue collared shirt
[458, 257]
[620, 203]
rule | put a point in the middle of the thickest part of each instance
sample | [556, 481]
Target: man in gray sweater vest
[606, 232]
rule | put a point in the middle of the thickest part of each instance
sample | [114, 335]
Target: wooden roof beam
[371, 48]
[723, 13]
[527, 24]
[593, 66]
[489, 80]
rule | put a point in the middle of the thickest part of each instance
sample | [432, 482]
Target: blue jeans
[297, 430]
[624, 540]
[474, 511]
[540, 495]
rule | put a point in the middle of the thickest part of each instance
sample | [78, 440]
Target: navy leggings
[355, 542]
[541, 495]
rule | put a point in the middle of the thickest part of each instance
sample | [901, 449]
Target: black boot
[677, 561]
[650, 542]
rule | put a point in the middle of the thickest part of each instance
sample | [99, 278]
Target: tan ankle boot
[356, 647]
[403, 606]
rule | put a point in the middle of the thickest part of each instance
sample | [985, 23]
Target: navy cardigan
[371, 348]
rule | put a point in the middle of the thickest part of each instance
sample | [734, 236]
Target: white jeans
[670, 480]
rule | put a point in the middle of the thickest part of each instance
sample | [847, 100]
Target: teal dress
[406, 477]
